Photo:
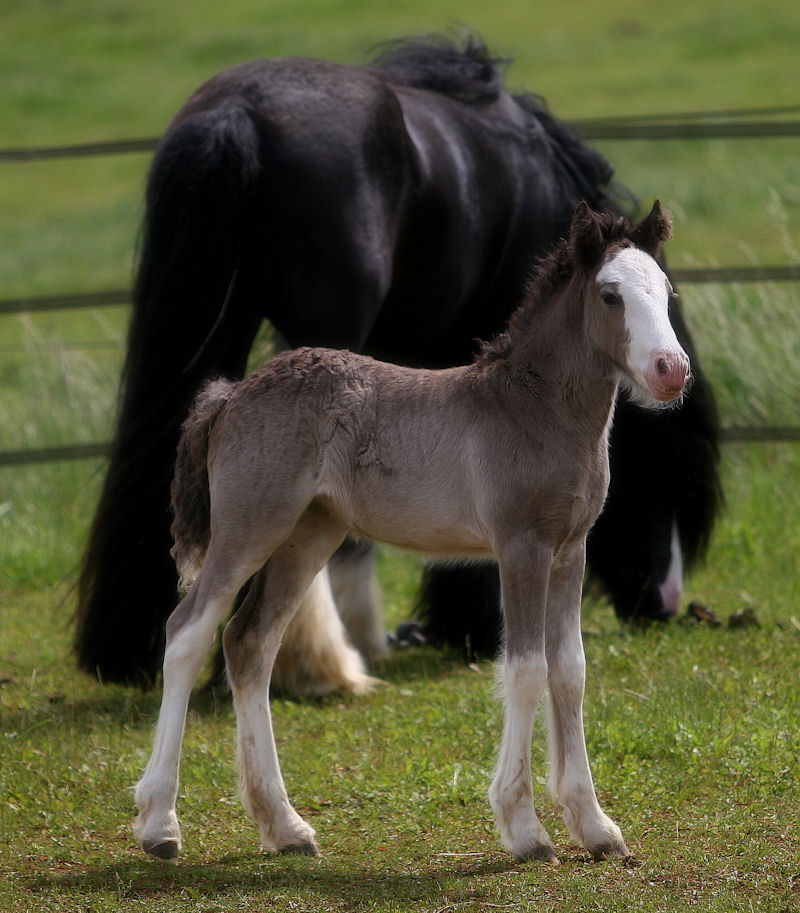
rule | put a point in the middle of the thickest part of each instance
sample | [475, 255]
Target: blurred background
[79, 72]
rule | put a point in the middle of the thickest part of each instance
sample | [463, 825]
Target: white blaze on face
[655, 360]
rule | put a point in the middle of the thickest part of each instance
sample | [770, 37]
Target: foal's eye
[611, 299]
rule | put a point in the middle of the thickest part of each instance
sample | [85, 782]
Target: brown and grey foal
[504, 458]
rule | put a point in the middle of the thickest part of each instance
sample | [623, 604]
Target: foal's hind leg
[190, 633]
[251, 641]
[570, 777]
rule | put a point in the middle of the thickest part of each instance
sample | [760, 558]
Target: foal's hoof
[609, 850]
[162, 849]
[528, 848]
[545, 854]
[302, 849]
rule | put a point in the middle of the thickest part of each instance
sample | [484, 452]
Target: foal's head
[628, 310]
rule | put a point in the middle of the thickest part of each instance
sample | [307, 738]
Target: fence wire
[740, 123]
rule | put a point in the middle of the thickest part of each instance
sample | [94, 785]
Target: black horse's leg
[460, 605]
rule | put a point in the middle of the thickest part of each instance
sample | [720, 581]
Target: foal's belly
[436, 522]
[441, 541]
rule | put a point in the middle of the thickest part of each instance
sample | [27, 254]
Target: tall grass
[58, 375]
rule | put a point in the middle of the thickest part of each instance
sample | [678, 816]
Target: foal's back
[390, 450]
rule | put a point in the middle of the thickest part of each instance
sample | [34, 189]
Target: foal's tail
[191, 505]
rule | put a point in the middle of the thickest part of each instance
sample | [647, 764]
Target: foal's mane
[550, 273]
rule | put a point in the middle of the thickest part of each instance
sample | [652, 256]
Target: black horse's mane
[464, 70]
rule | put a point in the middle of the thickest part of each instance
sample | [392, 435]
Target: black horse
[393, 209]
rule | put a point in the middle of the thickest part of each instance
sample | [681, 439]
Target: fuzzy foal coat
[355, 441]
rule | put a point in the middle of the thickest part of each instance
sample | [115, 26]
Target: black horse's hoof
[409, 634]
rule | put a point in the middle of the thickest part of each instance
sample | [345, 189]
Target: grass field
[692, 731]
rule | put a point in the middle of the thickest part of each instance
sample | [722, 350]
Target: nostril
[662, 366]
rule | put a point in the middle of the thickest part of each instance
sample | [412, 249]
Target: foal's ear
[654, 229]
[586, 235]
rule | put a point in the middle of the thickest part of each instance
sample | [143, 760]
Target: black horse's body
[393, 210]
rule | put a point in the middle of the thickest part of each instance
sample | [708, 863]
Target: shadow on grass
[303, 881]
[424, 663]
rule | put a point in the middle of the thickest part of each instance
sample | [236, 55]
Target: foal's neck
[551, 352]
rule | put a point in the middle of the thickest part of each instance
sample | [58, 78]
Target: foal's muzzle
[667, 374]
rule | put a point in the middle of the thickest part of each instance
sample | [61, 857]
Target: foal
[504, 458]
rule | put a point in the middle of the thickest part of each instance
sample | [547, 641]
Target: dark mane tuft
[550, 272]
[463, 70]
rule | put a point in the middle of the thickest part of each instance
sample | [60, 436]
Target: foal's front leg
[524, 573]
[570, 776]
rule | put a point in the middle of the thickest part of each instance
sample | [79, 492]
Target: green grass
[692, 731]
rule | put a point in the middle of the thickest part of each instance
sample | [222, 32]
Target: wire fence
[688, 276]
[738, 123]
[730, 124]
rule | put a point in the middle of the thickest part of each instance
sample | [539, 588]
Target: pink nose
[668, 374]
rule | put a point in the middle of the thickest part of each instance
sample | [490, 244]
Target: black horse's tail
[191, 504]
[186, 326]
